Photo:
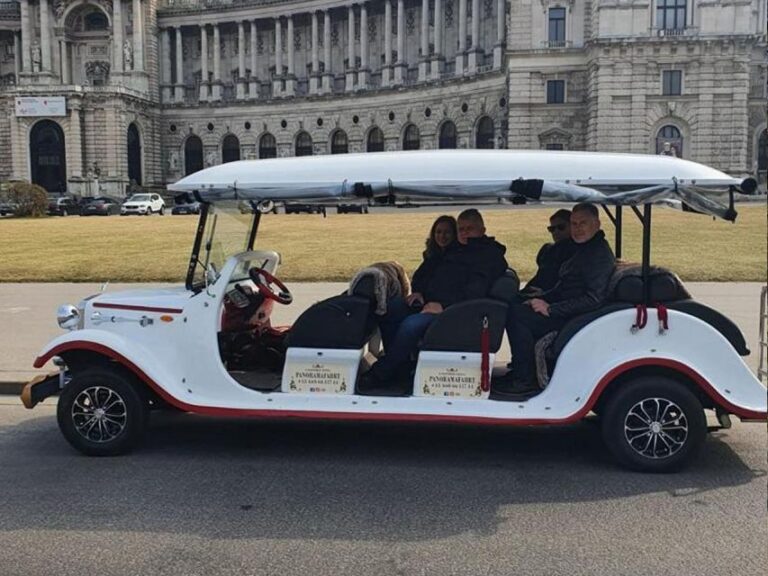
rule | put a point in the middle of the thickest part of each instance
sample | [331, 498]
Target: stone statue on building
[210, 158]
[127, 55]
[668, 150]
[37, 56]
[173, 161]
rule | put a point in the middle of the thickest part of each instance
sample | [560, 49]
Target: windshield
[225, 234]
[139, 198]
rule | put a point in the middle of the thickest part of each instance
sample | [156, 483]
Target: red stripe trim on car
[305, 414]
[137, 308]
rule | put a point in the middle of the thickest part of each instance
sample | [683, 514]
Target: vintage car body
[166, 344]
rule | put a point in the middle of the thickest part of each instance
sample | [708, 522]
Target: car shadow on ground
[238, 478]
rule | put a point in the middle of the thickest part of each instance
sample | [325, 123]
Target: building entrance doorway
[47, 156]
[134, 154]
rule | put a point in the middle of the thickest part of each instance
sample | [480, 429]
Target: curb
[11, 388]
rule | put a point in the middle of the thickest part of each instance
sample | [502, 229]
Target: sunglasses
[558, 227]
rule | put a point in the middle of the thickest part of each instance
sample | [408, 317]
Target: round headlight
[68, 317]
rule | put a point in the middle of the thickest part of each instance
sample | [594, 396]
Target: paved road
[30, 312]
[208, 496]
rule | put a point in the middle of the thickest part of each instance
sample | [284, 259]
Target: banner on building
[28, 106]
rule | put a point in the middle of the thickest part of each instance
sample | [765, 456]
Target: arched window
[669, 141]
[447, 135]
[193, 155]
[230, 149]
[267, 146]
[303, 144]
[339, 144]
[485, 134]
[96, 20]
[375, 140]
[411, 138]
[47, 156]
[134, 154]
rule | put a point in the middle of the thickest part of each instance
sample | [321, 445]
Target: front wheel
[653, 424]
[102, 413]
[162, 210]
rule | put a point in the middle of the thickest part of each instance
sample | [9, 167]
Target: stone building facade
[96, 93]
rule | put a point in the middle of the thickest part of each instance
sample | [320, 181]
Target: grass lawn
[314, 248]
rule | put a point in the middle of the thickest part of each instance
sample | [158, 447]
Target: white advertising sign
[450, 375]
[316, 371]
[31, 106]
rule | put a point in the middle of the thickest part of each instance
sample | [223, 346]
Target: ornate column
[386, 71]
[363, 76]
[437, 57]
[462, 38]
[400, 65]
[349, 85]
[16, 56]
[314, 84]
[179, 88]
[290, 82]
[253, 87]
[117, 37]
[241, 60]
[138, 37]
[501, 21]
[216, 92]
[204, 81]
[167, 80]
[26, 38]
[64, 52]
[475, 48]
[327, 74]
[45, 36]
[277, 81]
[424, 57]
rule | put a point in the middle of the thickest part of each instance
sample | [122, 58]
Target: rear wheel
[102, 413]
[162, 210]
[653, 424]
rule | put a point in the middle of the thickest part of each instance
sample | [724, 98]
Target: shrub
[27, 199]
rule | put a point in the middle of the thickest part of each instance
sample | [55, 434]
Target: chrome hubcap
[99, 414]
[656, 428]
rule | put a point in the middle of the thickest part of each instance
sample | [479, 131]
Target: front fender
[139, 359]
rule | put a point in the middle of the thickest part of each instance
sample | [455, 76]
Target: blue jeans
[401, 329]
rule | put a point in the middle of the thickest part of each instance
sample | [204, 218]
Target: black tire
[653, 424]
[162, 210]
[117, 430]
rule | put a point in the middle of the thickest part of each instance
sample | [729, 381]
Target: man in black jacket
[581, 287]
[551, 256]
[465, 272]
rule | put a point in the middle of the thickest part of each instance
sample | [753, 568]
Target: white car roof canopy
[470, 175]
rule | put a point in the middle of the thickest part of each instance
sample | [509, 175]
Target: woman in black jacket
[441, 240]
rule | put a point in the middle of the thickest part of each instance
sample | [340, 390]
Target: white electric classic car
[649, 363]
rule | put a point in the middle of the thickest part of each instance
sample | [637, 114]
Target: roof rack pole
[646, 253]
[254, 229]
[193, 258]
[618, 223]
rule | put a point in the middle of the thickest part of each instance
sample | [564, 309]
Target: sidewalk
[28, 316]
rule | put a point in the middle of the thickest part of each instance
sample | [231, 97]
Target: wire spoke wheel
[656, 428]
[99, 414]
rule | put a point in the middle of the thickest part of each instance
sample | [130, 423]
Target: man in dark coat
[551, 256]
[582, 286]
[465, 272]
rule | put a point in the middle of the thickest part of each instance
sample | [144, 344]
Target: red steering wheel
[266, 284]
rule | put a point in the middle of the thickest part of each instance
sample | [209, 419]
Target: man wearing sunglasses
[552, 255]
[582, 286]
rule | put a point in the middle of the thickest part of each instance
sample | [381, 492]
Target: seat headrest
[664, 287]
[365, 287]
[506, 287]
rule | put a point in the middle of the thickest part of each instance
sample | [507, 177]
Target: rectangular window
[670, 14]
[556, 27]
[555, 91]
[672, 82]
